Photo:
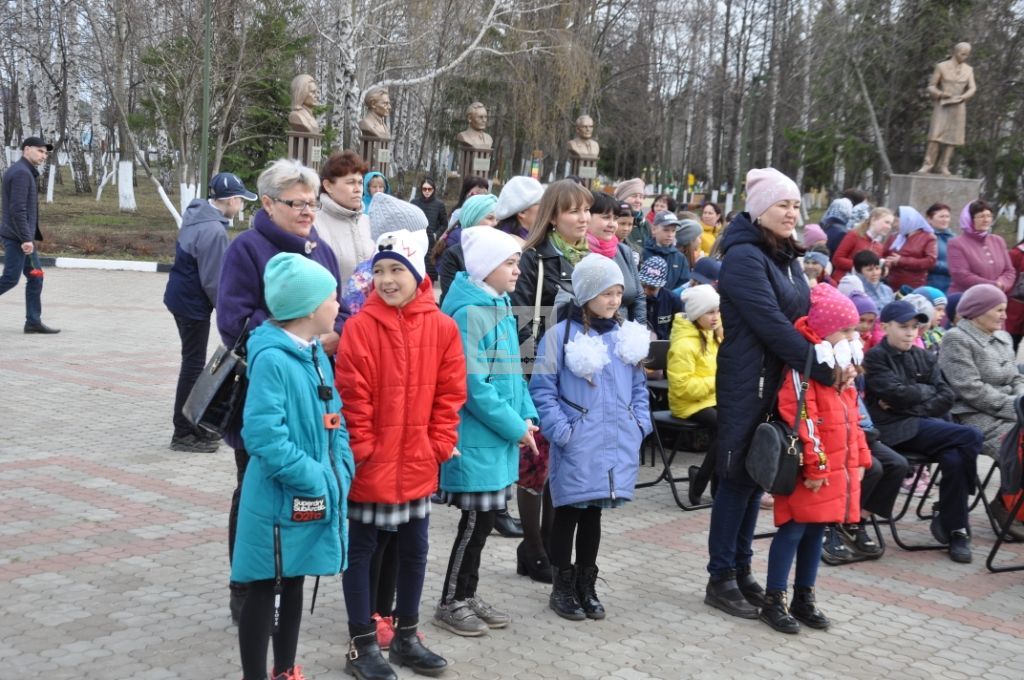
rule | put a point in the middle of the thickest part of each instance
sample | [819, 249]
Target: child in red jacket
[402, 376]
[835, 458]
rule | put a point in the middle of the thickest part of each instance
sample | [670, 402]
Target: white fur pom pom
[586, 355]
[633, 343]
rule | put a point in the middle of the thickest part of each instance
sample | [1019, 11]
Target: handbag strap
[802, 400]
[535, 331]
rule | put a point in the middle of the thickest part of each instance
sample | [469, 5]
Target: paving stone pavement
[113, 561]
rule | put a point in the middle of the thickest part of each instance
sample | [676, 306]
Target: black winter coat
[761, 297]
[910, 383]
[451, 263]
[21, 203]
[437, 215]
[557, 276]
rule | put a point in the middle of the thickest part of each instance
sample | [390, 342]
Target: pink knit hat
[813, 233]
[766, 187]
[831, 311]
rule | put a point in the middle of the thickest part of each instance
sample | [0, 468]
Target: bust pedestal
[921, 191]
[583, 167]
[475, 162]
[377, 153]
[305, 148]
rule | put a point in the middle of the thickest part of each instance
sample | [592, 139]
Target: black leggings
[464, 564]
[257, 620]
[384, 573]
[707, 418]
[586, 524]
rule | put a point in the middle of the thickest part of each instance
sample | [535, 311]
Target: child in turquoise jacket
[498, 416]
[292, 514]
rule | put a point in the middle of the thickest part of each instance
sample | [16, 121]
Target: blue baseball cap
[901, 311]
[227, 185]
[706, 271]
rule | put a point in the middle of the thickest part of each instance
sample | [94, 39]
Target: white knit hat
[407, 247]
[593, 275]
[485, 248]
[698, 301]
[388, 214]
[518, 194]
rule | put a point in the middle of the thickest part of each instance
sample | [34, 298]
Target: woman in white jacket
[341, 222]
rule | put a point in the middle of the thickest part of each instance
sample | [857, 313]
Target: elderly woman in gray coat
[978, 361]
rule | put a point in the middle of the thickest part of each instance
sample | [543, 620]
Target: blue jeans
[412, 565]
[733, 520]
[15, 264]
[802, 541]
[955, 448]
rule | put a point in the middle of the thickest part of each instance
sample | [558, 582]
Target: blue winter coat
[192, 284]
[296, 484]
[761, 297]
[678, 267]
[493, 419]
[595, 430]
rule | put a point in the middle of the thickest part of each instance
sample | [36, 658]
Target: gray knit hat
[687, 232]
[593, 275]
[388, 213]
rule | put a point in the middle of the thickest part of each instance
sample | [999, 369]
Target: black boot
[507, 525]
[364, 659]
[586, 593]
[776, 614]
[749, 586]
[536, 566]
[723, 593]
[408, 650]
[563, 594]
[804, 610]
[238, 593]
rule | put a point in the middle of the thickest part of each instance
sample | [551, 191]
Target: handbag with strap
[775, 456]
[216, 400]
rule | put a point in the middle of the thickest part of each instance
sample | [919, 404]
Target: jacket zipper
[611, 484]
[278, 586]
[574, 405]
[405, 354]
[846, 465]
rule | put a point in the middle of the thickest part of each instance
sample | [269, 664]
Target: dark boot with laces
[776, 614]
[564, 600]
[804, 609]
[586, 592]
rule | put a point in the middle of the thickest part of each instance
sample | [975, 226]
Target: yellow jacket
[707, 237]
[691, 372]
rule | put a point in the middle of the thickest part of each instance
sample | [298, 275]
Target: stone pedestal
[921, 191]
[377, 153]
[305, 148]
[584, 168]
[475, 162]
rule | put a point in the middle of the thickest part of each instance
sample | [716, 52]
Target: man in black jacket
[19, 230]
[909, 400]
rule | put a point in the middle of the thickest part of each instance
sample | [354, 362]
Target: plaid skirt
[478, 501]
[388, 517]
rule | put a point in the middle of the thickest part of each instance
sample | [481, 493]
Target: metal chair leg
[666, 474]
[1001, 535]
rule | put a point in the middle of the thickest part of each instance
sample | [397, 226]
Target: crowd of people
[373, 395]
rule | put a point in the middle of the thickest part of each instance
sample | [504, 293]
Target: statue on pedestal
[583, 145]
[951, 85]
[375, 124]
[474, 136]
[301, 118]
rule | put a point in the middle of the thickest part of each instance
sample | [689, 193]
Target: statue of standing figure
[951, 85]
[301, 118]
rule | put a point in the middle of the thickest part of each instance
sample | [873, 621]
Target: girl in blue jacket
[292, 513]
[591, 394]
[498, 416]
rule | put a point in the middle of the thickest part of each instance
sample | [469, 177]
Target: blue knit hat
[294, 286]
[476, 208]
[934, 295]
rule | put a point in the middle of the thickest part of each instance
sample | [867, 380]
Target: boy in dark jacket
[191, 291]
[663, 244]
[909, 400]
[662, 305]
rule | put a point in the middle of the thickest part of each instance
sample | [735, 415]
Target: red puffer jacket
[402, 378]
[831, 436]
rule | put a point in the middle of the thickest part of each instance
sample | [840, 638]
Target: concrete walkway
[113, 560]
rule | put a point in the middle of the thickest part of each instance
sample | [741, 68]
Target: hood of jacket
[366, 187]
[198, 211]
[338, 211]
[664, 251]
[464, 293]
[269, 335]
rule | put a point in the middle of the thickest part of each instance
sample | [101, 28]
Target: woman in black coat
[432, 207]
[763, 291]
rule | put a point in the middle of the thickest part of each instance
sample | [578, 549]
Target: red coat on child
[831, 436]
[401, 374]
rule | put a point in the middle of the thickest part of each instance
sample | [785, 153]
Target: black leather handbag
[775, 455]
[216, 400]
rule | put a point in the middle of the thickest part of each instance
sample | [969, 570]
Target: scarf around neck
[607, 248]
[598, 324]
[572, 253]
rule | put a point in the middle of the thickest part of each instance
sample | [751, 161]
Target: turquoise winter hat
[476, 208]
[295, 286]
